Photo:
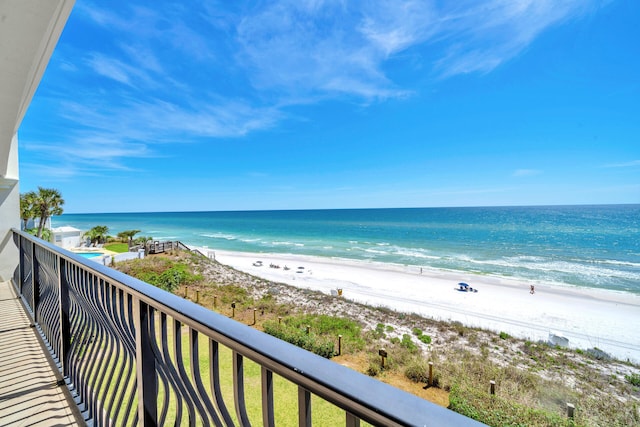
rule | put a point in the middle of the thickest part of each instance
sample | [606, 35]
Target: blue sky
[206, 105]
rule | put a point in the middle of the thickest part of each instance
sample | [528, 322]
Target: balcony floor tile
[29, 394]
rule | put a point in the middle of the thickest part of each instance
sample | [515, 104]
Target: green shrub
[408, 343]
[497, 411]
[633, 379]
[504, 336]
[425, 339]
[164, 274]
[417, 332]
[330, 327]
[379, 331]
[299, 337]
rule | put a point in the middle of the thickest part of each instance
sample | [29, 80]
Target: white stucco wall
[29, 31]
[66, 238]
[9, 208]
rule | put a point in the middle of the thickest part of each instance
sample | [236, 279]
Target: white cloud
[110, 68]
[106, 134]
[393, 26]
[167, 63]
[483, 35]
[311, 49]
[306, 47]
[306, 51]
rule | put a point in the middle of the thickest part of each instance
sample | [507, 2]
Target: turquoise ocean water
[587, 246]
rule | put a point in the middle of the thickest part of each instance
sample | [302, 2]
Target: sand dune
[588, 318]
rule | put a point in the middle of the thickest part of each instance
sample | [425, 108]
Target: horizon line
[357, 208]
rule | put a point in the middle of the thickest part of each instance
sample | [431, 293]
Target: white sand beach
[588, 318]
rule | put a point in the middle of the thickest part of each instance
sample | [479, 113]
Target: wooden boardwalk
[29, 390]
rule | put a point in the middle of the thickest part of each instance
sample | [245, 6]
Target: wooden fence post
[570, 409]
[383, 355]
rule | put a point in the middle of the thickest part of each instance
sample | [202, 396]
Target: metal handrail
[114, 338]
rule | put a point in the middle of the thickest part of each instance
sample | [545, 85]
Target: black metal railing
[133, 354]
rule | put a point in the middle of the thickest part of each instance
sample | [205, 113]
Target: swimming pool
[89, 254]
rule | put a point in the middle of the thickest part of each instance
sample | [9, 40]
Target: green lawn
[285, 392]
[117, 247]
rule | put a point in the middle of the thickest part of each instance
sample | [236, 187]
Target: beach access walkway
[30, 394]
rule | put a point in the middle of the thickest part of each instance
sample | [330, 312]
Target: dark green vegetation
[127, 236]
[162, 272]
[633, 379]
[317, 334]
[533, 381]
[41, 205]
[97, 234]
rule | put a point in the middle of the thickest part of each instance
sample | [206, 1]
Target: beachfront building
[97, 348]
[66, 237]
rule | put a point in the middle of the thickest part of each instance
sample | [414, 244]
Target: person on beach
[533, 290]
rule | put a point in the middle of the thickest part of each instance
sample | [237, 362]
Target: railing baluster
[238, 389]
[22, 260]
[352, 420]
[65, 324]
[89, 349]
[93, 338]
[108, 348]
[145, 366]
[120, 355]
[267, 397]
[35, 284]
[190, 397]
[214, 373]
[304, 407]
[172, 375]
[160, 368]
[197, 378]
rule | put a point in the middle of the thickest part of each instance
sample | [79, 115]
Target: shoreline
[588, 318]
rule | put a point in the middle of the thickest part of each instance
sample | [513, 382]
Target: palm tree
[97, 233]
[26, 207]
[47, 202]
[128, 234]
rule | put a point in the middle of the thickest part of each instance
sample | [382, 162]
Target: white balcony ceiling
[29, 31]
